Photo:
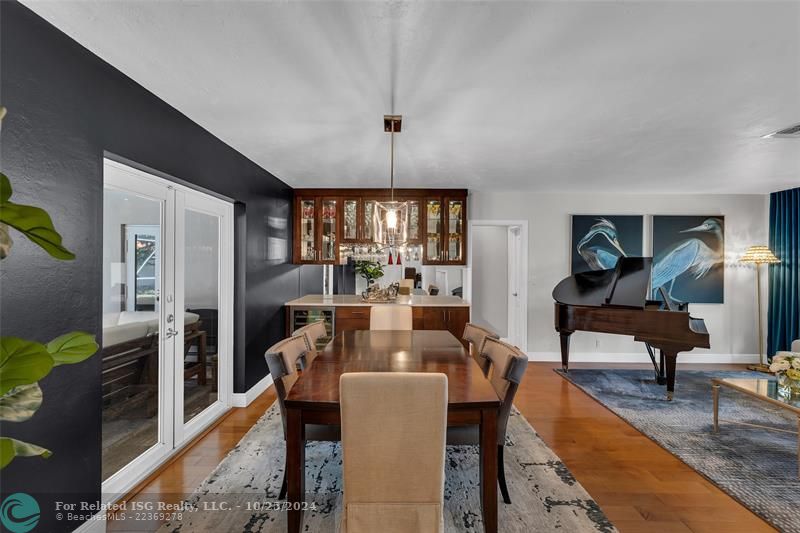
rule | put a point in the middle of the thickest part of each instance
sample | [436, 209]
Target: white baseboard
[243, 399]
[689, 357]
[96, 525]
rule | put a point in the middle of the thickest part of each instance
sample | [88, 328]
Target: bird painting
[601, 253]
[688, 257]
[599, 241]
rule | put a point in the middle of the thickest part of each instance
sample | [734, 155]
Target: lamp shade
[759, 255]
[390, 223]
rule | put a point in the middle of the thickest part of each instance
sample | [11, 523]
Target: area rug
[241, 493]
[756, 467]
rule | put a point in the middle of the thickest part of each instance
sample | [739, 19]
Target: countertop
[318, 300]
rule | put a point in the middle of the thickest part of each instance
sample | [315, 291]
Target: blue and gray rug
[756, 467]
[242, 493]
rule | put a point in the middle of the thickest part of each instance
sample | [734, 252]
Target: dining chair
[282, 358]
[390, 316]
[507, 365]
[393, 451]
[311, 333]
[476, 335]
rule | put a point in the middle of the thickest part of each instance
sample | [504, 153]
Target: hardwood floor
[639, 485]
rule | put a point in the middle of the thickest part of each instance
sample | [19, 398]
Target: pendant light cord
[391, 163]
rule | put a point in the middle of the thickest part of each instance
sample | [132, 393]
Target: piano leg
[565, 335]
[670, 358]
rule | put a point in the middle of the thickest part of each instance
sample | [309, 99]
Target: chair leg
[284, 483]
[501, 474]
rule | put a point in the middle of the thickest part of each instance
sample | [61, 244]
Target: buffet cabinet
[325, 219]
[344, 318]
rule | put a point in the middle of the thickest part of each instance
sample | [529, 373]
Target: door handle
[170, 333]
[514, 294]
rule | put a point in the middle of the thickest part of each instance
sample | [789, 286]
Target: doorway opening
[497, 277]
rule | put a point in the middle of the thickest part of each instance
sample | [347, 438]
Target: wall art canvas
[688, 258]
[599, 240]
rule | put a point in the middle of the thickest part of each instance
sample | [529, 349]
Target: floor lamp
[759, 255]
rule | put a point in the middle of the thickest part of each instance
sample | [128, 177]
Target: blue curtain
[783, 322]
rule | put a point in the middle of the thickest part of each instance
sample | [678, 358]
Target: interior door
[515, 303]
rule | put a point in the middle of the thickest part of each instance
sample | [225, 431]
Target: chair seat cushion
[393, 518]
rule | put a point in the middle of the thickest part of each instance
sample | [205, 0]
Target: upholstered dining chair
[507, 365]
[282, 358]
[476, 335]
[390, 316]
[393, 451]
[311, 333]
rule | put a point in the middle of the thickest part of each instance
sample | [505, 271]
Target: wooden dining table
[314, 399]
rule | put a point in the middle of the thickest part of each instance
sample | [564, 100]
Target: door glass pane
[307, 213]
[201, 297]
[350, 220]
[413, 221]
[455, 229]
[328, 230]
[433, 245]
[369, 207]
[132, 249]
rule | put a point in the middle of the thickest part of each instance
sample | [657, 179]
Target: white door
[516, 328]
[167, 320]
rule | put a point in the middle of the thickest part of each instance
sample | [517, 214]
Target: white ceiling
[541, 96]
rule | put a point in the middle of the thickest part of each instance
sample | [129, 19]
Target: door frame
[170, 443]
[521, 321]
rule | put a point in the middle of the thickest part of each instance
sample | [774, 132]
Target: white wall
[732, 325]
[490, 278]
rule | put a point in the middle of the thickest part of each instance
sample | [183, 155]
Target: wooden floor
[639, 485]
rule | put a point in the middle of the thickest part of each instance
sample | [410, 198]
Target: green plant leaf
[72, 348]
[5, 188]
[22, 363]
[20, 403]
[10, 448]
[32, 222]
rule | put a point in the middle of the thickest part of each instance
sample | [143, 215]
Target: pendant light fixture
[390, 218]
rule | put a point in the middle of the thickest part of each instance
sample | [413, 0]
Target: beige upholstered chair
[393, 446]
[390, 316]
[507, 365]
[311, 333]
[476, 336]
[407, 283]
[796, 345]
[282, 358]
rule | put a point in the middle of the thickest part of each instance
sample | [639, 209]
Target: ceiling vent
[791, 132]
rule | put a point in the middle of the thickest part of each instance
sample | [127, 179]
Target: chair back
[796, 346]
[282, 358]
[407, 283]
[390, 316]
[476, 336]
[507, 365]
[311, 333]
[393, 444]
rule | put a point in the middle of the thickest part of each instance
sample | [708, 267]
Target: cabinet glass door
[307, 227]
[328, 242]
[369, 209]
[433, 230]
[454, 252]
[350, 231]
[414, 222]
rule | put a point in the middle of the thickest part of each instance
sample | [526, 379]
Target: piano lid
[625, 286]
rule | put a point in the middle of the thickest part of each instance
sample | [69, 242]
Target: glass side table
[765, 390]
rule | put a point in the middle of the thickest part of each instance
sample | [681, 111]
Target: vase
[788, 387]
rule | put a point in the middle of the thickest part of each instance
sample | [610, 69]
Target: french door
[167, 320]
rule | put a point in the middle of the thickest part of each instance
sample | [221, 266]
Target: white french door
[167, 320]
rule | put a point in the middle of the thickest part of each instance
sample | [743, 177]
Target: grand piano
[615, 301]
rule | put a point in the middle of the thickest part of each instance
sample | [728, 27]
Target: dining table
[314, 399]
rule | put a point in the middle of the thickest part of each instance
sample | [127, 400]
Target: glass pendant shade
[390, 223]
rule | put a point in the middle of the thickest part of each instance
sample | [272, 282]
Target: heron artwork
[600, 247]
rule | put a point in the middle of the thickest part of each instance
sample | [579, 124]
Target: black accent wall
[66, 108]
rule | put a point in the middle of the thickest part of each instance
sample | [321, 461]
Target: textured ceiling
[541, 96]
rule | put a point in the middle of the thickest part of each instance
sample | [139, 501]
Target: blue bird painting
[600, 247]
[693, 256]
